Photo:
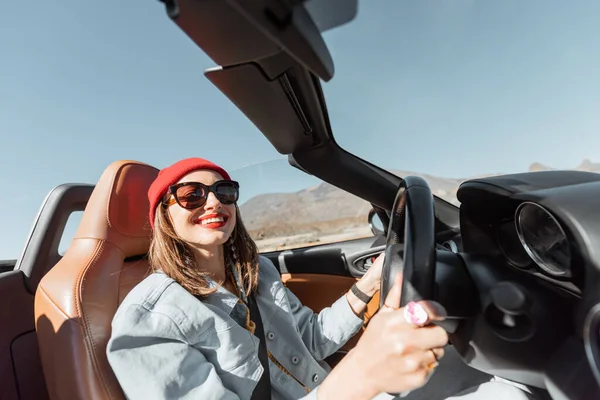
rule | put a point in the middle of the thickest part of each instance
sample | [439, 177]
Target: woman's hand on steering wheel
[371, 280]
[397, 352]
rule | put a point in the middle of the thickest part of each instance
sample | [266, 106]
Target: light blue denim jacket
[166, 344]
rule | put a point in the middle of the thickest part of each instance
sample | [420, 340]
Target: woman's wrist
[357, 305]
[361, 293]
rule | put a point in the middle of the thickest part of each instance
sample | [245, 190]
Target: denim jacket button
[295, 360]
[315, 378]
[270, 335]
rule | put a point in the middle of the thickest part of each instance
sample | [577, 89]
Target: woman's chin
[210, 239]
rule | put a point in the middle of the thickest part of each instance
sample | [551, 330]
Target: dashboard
[542, 231]
[541, 223]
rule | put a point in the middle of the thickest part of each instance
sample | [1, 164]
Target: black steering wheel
[412, 218]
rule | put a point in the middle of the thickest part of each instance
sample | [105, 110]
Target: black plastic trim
[41, 251]
[328, 261]
[591, 338]
[7, 265]
[568, 375]
[357, 260]
[316, 259]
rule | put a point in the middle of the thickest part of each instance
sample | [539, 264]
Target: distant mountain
[586, 165]
[312, 209]
[325, 209]
[537, 167]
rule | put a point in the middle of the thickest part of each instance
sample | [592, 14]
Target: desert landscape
[326, 214]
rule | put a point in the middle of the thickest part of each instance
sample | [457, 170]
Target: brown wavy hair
[173, 256]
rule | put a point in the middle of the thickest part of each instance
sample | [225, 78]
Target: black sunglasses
[192, 195]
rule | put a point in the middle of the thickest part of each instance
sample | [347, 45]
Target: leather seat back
[77, 299]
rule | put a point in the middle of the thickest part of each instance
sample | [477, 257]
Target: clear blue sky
[455, 88]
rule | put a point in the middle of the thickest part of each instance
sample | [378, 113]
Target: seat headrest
[117, 210]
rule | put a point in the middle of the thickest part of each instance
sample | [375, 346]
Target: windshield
[461, 89]
[448, 89]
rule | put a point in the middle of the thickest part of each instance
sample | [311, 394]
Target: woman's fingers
[439, 353]
[422, 359]
[429, 337]
[414, 370]
[392, 301]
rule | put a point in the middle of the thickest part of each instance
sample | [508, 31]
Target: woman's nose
[212, 201]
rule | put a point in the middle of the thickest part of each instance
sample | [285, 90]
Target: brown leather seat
[75, 302]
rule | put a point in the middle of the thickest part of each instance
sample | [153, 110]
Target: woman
[187, 330]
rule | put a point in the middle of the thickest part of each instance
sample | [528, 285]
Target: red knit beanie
[171, 175]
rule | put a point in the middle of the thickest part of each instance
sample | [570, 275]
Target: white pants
[494, 390]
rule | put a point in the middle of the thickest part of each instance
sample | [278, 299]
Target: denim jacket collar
[223, 298]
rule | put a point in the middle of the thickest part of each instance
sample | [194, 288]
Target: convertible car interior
[76, 300]
[517, 265]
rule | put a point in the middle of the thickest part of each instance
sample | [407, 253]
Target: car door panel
[327, 261]
[331, 259]
[318, 291]
[21, 375]
[320, 275]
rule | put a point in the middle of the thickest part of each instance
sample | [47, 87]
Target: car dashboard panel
[543, 223]
[545, 227]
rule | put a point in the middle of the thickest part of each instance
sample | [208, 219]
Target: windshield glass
[462, 89]
[283, 208]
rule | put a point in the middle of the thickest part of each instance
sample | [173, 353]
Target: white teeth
[212, 220]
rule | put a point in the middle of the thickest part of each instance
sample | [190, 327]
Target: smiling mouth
[212, 221]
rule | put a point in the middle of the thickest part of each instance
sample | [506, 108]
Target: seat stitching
[104, 240]
[49, 299]
[88, 337]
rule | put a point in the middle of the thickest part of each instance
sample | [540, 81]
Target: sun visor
[273, 105]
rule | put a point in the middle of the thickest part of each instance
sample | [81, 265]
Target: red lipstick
[212, 221]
